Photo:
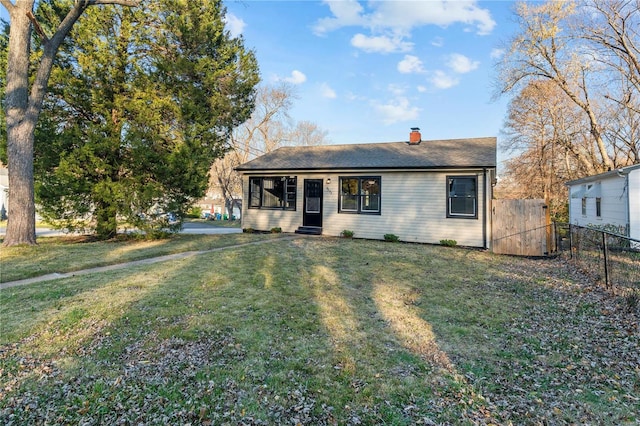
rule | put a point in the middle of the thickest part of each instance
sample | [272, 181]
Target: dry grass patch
[320, 331]
[68, 254]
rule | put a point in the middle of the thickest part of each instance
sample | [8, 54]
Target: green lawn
[67, 254]
[312, 331]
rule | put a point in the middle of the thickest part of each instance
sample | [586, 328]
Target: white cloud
[353, 97]
[396, 110]
[296, 77]
[380, 44]
[234, 24]
[410, 65]
[411, 14]
[497, 53]
[345, 13]
[397, 89]
[400, 17]
[442, 80]
[422, 88]
[437, 42]
[327, 91]
[461, 64]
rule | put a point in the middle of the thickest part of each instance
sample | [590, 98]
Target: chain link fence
[611, 259]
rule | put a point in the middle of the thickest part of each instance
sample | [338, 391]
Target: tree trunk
[24, 106]
[21, 225]
[234, 204]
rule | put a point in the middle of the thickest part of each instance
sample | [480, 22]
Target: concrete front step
[309, 230]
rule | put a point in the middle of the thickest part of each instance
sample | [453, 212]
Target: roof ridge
[429, 154]
[386, 143]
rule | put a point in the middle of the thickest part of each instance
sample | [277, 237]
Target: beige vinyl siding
[413, 207]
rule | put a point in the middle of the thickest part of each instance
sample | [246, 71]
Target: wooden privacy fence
[520, 227]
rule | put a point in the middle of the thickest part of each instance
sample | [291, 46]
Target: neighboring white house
[421, 191]
[610, 199]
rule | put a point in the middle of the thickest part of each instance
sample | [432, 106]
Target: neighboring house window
[584, 206]
[276, 192]
[360, 195]
[598, 207]
[462, 196]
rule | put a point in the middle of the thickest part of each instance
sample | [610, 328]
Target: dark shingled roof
[433, 154]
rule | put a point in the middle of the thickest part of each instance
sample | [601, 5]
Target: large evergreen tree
[141, 103]
[26, 81]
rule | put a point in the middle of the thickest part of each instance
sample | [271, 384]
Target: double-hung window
[274, 192]
[462, 197]
[360, 194]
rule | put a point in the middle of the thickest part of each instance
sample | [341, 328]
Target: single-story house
[607, 200]
[420, 191]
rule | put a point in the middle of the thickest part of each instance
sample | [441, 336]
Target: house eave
[621, 172]
[363, 168]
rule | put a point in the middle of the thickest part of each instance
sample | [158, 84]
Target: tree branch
[7, 4]
[37, 26]
[51, 46]
[128, 3]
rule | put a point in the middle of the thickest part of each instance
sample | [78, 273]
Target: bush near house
[347, 234]
[195, 212]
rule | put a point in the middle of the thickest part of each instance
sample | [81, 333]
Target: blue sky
[368, 71]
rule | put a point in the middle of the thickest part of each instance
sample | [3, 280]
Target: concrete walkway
[187, 228]
[149, 261]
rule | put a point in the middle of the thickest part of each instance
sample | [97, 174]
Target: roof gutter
[359, 169]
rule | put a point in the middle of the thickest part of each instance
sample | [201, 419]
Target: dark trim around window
[360, 195]
[273, 192]
[462, 197]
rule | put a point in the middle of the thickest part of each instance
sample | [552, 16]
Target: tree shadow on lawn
[309, 331]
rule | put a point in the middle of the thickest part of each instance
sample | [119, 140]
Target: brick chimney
[415, 137]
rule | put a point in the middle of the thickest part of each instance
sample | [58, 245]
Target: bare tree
[611, 28]
[307, 133]
[224, 177]
[545, 48]
[542, 130]
[269, 128]
[23, 103]
[574, 72]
